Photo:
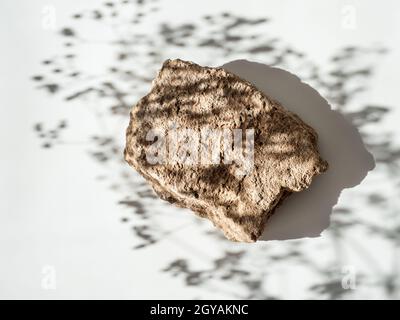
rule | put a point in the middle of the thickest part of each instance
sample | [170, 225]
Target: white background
[54, 212]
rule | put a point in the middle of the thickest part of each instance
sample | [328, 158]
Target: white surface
[54, 212]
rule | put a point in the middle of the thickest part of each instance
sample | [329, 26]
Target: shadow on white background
[307, 213]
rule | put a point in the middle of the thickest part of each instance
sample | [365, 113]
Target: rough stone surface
[285, 148]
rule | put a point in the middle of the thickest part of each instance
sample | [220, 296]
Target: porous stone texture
[286, 157]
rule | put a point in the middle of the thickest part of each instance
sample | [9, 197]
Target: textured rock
[237, 197]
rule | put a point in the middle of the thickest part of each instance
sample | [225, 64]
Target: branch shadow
[307, 213]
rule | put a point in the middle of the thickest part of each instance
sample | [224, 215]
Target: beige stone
[185, 95]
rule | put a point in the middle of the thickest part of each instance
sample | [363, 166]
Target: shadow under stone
[307, 213]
